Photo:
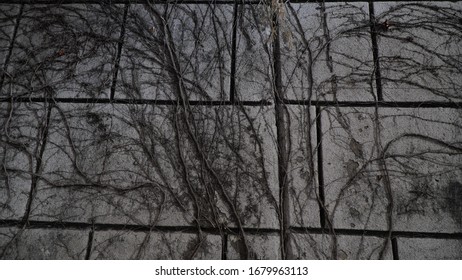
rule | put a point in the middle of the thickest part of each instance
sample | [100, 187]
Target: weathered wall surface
[231, 130]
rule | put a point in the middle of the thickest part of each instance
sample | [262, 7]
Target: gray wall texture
[230, 130]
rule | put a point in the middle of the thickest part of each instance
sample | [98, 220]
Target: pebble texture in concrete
[231, 131]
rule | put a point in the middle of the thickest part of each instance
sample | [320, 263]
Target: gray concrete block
[254, 78]
[8, 17]
[354, 191]
[65, 50]
[411, 156]
[310, 247]
[23, 126]
[15, 183]
[303, 169]
[419, 50]
[344, 247]
[147, 165]
[43, 244]
[155, 245]
[327, 52]
[429, 249]
[193, 43]
[100, 165]
[424, 163]
[261, 247]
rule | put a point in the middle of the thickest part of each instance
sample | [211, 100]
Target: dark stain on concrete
[356, 148]
[454, 201]
[352, 168]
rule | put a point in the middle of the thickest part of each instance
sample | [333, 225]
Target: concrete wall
[231, 130]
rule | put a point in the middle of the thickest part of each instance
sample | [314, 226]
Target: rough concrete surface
[146, 245]
[342, 247]
[429, 249]
[327, 52]
[420, 50]
[308, 130]
[262, 247]
[48, 244]
[200, 36]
